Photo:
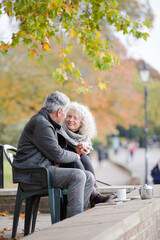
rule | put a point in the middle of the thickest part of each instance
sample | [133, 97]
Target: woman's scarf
[72, 138]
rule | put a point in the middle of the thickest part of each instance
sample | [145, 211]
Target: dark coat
[39, 145]
[155, 173]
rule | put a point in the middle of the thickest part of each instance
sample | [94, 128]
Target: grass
[7, 175]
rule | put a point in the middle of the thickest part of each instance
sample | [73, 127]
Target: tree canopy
[69, 22]
[24, 85]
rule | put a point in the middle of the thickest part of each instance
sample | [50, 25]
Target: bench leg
[35, 210]
[28, 215]
[57, 197]
[17, 211]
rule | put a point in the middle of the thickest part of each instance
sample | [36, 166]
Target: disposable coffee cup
[121, 194]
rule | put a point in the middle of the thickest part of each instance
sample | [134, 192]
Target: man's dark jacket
[39, 145]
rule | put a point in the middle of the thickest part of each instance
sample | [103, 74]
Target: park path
[137, 164]
[109, 172]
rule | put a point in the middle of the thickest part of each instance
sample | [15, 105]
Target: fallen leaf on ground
[5, 213]
[7, 229]
[1, 237]
[22, 215]
[22, 231]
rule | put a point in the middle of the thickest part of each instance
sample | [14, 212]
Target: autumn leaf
[7, 229]
[72, 34]
[22, 231]
[69, 9]
[102, 85]
[22, 215]
[2, 237]
[5, 213]
[46, 47]
[4, 47]
[32, 52]
[62, 54]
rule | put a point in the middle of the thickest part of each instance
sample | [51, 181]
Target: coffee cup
[121, 194]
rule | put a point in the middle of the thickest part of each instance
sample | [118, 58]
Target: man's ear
[58, 112]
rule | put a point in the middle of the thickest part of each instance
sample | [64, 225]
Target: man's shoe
[101, 199]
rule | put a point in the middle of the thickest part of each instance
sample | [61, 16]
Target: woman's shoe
[101, 199]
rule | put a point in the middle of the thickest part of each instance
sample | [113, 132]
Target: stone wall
[132, 220]
[147, 229]
[7, 204]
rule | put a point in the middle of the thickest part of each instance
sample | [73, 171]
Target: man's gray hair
[56, 100]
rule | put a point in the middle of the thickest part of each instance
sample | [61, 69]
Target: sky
[139, 49]
[148, 50]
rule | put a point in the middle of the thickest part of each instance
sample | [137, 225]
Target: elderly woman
[80, 128]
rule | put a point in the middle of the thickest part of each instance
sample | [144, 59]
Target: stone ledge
[8, 192]
[105, 189]
[135, 219]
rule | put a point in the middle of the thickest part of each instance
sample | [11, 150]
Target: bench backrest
[7, 151]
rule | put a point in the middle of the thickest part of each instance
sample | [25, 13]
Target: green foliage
[133, 132]
[11, 132]
[8, 182]
[67, 21]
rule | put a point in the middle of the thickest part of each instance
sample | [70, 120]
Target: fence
[1, 166]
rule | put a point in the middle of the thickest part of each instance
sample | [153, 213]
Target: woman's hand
[82, 149]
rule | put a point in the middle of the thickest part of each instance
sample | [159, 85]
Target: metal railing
[1, 167]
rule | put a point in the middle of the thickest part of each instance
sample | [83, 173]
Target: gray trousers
[79, 184]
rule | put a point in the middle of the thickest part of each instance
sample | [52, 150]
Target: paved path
[110, 173]
[137, 164]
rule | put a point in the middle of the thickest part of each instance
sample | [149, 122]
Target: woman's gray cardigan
[39, 145]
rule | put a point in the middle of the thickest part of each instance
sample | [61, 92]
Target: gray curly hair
[88, 122]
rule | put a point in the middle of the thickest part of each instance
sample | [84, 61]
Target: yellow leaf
[22, 215]
[62, 54]
[69, 9]
[72, 34]
[116, 58]
[64, 66]
[70, 67]
[102, 85]
[5, 213]
[98, 35]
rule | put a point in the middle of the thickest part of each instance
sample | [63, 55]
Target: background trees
[25, 83]
[75, 40]
[68, 23]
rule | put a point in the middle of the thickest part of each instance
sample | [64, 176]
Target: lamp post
[145, 74]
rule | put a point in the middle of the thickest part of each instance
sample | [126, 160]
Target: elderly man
[40, 145]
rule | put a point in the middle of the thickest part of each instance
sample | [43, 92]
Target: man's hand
[81, 149]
